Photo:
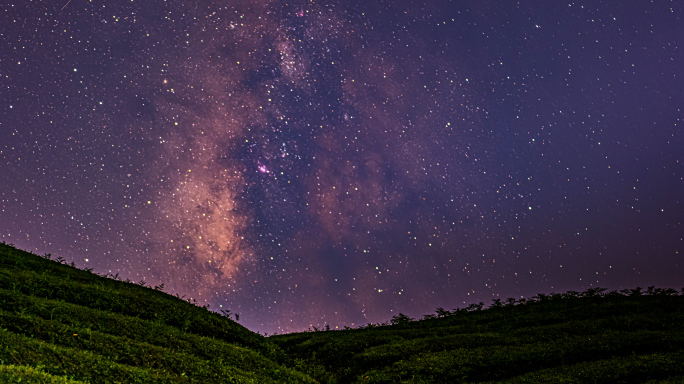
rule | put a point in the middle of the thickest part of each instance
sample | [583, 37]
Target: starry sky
[305, 163]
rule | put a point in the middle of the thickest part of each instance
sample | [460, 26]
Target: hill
[590, 337]
[59, 324]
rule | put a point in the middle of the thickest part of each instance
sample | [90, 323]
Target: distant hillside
[589, 337]
[59, 324]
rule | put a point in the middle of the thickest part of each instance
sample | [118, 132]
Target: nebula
[305, 163]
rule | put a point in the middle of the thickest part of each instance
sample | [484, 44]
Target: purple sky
[308, 163]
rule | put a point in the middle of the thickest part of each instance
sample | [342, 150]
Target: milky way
[304, 163]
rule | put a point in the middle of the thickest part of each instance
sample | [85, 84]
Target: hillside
[74, 324]
[59, 324]
[589, 337]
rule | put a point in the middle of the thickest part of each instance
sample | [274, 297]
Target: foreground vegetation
[59, 324]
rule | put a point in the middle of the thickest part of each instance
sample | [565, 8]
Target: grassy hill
[589, 337]
[59, 324]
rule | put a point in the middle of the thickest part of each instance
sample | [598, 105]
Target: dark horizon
[305, 164]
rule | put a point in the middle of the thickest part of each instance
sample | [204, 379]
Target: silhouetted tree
[593, 292]
[400, 319]
[475, 307]
[540, 297]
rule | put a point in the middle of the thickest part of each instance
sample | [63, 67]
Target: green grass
[74, 324]
[593, 337]
[59, 324]
[11, 374]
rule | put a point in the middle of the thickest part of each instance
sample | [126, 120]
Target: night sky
[309, 163]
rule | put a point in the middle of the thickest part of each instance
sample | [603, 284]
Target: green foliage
[583, 337]
[400, 319]
[11, 374]
[59, 323]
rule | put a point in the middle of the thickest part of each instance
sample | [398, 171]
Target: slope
[590, 337]
[61, 323]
